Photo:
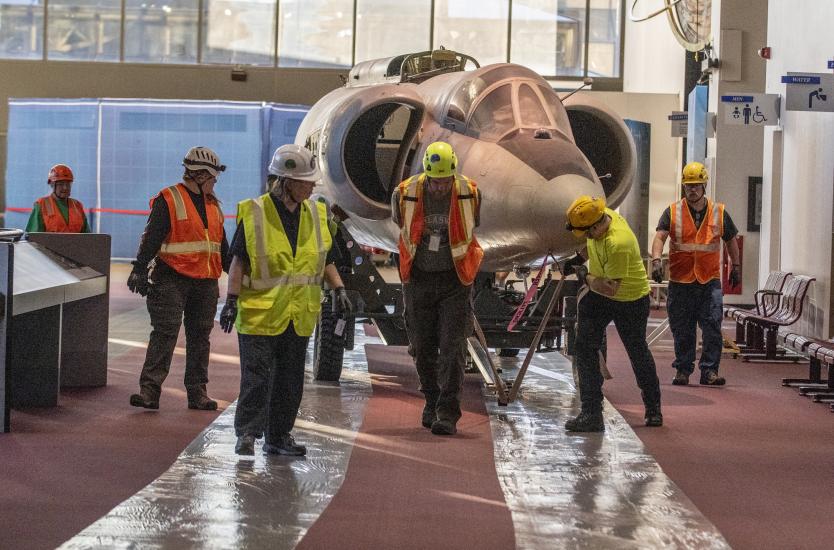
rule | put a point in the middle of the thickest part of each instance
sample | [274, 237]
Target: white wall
[801, 38]
[653, 62]
[737, 150]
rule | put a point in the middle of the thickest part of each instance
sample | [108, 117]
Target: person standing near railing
[57, 212]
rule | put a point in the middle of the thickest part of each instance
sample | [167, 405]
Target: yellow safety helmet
[440, 160]
[694, 173]
[583, 213]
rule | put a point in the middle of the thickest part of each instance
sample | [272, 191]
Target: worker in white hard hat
[696, 225]
[181, 255]
[281, 253]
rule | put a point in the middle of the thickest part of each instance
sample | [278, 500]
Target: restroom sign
[751, 110]
[809, 92]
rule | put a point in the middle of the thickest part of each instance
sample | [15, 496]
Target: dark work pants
[595, 313]
[271, 383]
[174, 299]
[438, 312]
[689, 304]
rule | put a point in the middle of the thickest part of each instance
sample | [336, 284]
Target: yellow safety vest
[281, 287]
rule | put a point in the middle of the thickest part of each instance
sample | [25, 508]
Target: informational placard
[680, 123]
[751, 110]
[809, 92]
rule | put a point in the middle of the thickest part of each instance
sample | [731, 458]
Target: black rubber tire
[508, 352]
[329, 349]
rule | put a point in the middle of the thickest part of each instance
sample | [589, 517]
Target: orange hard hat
[60, 172]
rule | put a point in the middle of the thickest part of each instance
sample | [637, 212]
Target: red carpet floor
[755, 457]
[62, 468]
[406, 488]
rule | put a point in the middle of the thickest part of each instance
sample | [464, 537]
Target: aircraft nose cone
[548, 211]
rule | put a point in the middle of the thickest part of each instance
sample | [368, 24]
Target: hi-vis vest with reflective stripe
[466, 252]
[281, 287]
[54, 222]
[695, 253]
[190, 248]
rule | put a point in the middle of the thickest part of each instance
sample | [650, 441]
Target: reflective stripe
[460, 250]
[179, 203]
[410, 202]
[466, 205]
[189, 247]
[314, 212]
[692, 247]
[258, 223]
[50, 209]
[678, 222]
[283, 280]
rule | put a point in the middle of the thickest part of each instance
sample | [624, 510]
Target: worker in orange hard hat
[57, 212]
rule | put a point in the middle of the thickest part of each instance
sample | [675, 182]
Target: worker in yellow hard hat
[696, 225]
[618, 291]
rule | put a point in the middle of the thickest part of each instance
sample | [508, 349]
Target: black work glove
[581, 274]
[735, 277]
[137, 281]
[341, 302]
[229, 313]
[657, 271]
[570, 264]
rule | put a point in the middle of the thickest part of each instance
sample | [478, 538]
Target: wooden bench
[767, 301]
[789, 312]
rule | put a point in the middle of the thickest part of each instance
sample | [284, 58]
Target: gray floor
[564, 491]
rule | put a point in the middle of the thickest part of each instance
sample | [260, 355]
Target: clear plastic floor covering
[564, 491]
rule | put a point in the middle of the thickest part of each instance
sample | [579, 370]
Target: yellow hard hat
[584, 212]
[440, 160]
[694, 173]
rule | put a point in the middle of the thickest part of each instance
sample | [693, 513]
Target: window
[493, 117]
[547, 36]
[161, 33]
[236, 32]
[474, 27]
[21, 29]
[530, 108]
[378, 37]
[85, 30]
[316, 33]
[604, 39]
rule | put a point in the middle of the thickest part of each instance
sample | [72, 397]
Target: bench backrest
[770, 301]
[793, 298]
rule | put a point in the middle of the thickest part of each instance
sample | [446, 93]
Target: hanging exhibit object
[690, 21]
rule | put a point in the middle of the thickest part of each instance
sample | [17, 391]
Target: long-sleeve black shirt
[159, 225]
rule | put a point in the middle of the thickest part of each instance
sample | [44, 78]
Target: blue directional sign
[831, 63]
[736, 98]
[800, 79]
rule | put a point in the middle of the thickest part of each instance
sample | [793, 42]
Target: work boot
[285, 445]
[429, 415]
[654, 418]
[443, 427]
[144, 400]
[681, 378]
[199, 399]
[586, 422]
[245, 445]
[710, 378]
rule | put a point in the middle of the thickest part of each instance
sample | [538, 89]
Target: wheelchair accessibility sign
[751, 109]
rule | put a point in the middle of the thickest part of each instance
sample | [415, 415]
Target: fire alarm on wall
[764, 53]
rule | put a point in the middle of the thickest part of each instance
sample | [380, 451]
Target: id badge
[434, 243]
[340, 327]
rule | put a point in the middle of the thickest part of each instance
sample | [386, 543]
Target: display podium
[53, 333]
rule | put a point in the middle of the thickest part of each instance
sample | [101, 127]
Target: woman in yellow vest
[57, 212]
[280, 257]
[437, 212]
[696, 226]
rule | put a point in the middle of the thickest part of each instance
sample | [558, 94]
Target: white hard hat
[203, 158]
[296, 162]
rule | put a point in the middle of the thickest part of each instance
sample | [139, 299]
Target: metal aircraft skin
[530, 154]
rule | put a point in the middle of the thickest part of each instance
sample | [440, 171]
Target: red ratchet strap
[519, 312]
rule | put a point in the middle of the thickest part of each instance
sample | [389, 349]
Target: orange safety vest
[466, 252]
[695, 254]
[54, 222]
[190, 248]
